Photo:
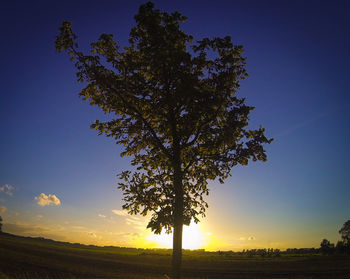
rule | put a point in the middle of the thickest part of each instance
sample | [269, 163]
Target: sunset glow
[193, 238]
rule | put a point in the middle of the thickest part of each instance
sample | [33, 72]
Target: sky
[58, 178]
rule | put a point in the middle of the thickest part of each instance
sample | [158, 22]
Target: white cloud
[7, 189]
[101, 215]
[119, 212]
[3, 209]
[47, 200]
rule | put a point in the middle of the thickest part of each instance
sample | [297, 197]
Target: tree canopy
[175, 110]
[168, 94]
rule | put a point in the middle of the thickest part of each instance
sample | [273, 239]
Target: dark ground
[32, 258]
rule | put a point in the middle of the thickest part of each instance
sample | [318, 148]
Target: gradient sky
[298, 60]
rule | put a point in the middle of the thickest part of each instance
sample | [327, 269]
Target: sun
[192, 238]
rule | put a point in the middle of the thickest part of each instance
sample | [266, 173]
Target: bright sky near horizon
[58, 178]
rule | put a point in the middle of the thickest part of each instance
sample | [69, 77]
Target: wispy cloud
[7, 189]
[120, 212]
[294, 127]
[92, 234]
[3, 209]
[101, 215]
[130, 219]
[78, 228]
[249, 238]
[44, 200]
[133, 221]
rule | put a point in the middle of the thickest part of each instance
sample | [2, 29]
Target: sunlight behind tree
[193, 238]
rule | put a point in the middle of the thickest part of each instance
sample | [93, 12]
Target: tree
[326, 247]
[345, 233]
[340, 247]
[176, 112]
[0, 224]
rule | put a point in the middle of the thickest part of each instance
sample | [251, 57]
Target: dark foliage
[345, 234]
[175, 110]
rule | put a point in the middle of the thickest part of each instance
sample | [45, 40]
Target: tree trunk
[178, 218]
[177, 251]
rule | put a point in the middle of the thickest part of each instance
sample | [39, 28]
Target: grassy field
[30, 258]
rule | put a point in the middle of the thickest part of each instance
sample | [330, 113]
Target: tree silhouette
[176, 112]
[326, 246]
[345, 233]
[0, 224]
[340, 247]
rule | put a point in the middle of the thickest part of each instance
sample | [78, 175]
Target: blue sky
[298, 62]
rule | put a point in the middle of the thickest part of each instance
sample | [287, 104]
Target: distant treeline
[270, 252]
[326, 247]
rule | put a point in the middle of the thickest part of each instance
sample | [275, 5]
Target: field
[29, 258]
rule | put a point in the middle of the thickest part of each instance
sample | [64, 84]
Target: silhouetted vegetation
[342, 247]
[326, 247]
[0, 224]
[345, 234]
[176, 112]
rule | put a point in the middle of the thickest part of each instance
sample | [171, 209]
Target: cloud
[39, 216]
[3, 209]
[130, 219]
[119, 212]
[92, 234]
[133, 221]
[47, 200]
[247, 238]
[101, 215]
[7, 189]
[78, 228]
